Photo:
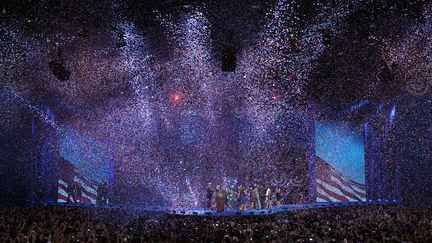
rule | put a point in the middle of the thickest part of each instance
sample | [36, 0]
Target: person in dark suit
[262, 193]
[209, 196]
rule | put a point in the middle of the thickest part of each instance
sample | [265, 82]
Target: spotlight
[394, 200]
[176, 97]
[276, 97]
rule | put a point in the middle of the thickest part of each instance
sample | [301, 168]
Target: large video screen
[84, 168]
[340, 161]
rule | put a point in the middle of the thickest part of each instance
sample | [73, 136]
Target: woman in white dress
[268, 198]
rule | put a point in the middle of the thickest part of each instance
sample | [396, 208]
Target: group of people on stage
[226, 196]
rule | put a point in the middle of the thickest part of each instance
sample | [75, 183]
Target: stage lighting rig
[58, 68]
[229, 53]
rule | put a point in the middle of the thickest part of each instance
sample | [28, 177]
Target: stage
[228, 212]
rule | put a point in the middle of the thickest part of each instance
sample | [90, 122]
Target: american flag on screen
[73, 187]
[332, 186]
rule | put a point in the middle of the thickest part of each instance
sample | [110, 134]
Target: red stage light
[176, 97]
[276, 96]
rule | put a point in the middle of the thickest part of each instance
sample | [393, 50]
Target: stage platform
[229, 212]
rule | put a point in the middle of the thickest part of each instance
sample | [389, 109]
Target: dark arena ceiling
[332, 53]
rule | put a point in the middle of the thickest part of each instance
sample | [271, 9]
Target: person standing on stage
[252, 198]
[224, 190]
[257, 197]
[209, 196]
[220, 199]
[262, 193]
[231, 197]
[278, 197]
[241, 195]
[268, 198]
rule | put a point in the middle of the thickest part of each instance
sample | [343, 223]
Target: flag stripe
[344, 181]
[323, 195]
[86, 188]
[89, 195]
[63, 195]
[338, 188]
[337, 196]
[332, 186]
[348, 189]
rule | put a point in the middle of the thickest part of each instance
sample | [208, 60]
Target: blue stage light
[392, 115]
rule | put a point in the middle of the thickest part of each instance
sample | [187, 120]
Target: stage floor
[283, 208]
[231, 212]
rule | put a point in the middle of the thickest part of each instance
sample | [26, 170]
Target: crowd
[369, 223]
